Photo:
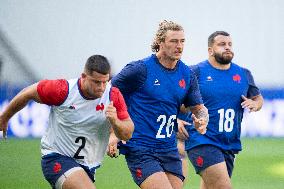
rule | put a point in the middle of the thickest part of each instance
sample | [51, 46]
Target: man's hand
[250, 104]
[112, 146]
[3, 126]
[111, 113]
[200, 117]
[200, 124]
[182, 133]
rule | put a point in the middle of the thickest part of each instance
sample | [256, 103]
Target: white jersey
[78, 128]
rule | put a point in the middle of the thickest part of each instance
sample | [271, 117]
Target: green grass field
[259, 166]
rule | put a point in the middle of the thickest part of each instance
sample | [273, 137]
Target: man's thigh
[56, 168]
[209, 162]
[158, 180]
[216, 176]
[144, 164]
[204, 156]
[176, 182]
[78, 180]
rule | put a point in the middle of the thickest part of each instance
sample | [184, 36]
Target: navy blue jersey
[221, 92]
[153, 95]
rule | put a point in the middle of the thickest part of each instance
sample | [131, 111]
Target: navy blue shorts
[146, 162]
[204, 156]
[55, 165]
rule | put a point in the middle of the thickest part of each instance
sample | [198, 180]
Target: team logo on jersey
[138, 173]
[100, 107]
[182, 83]
[209, 78]
[199, 161]
[156, 82]
[237, 78]
[56, 167]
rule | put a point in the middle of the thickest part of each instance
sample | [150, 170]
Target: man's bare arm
[18, 103]
[200, 117]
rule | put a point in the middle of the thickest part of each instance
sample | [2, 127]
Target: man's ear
[210, 51]
[83, 75]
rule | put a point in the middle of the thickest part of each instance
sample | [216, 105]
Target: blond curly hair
[160, 36]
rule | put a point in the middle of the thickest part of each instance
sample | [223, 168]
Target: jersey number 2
[83, 139]
[226, 120]
[169, 125]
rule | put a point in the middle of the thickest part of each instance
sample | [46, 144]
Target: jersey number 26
[168, 123]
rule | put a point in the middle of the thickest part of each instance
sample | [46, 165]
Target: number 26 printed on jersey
[168, 123]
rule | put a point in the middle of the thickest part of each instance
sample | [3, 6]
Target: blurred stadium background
[52, 39]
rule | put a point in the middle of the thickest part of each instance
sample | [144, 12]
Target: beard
[223, 59]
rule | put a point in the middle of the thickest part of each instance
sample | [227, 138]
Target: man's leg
[182, 153]
[78, 180]
[209, 162]
[202, 184]
[175, 181]
[216, 177]
[158, 180]
[172, 164]
[64, 172]
[229, 162]
[148, 169]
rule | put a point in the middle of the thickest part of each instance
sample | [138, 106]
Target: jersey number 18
[226, 120]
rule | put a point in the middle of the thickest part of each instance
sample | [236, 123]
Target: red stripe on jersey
[119, 103]
[53, 92]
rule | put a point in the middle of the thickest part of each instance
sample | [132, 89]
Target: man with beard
[226, 90]
[154, 88]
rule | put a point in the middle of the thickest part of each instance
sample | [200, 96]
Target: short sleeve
[193, 96]
[196, 70]
[131, 77]
[253, 90]
[53, 92]
[119, 103]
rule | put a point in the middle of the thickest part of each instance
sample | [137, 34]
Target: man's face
[173, 45]
[222, 49]
[94, 84]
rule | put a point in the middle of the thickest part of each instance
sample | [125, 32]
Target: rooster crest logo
[237, 78]
[100, 107]
[182, 83]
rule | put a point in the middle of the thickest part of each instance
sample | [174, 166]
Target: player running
[82, 113]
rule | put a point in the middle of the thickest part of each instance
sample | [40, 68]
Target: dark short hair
[97, 63]
[211, 38]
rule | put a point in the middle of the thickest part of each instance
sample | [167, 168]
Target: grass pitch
[259, 166]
